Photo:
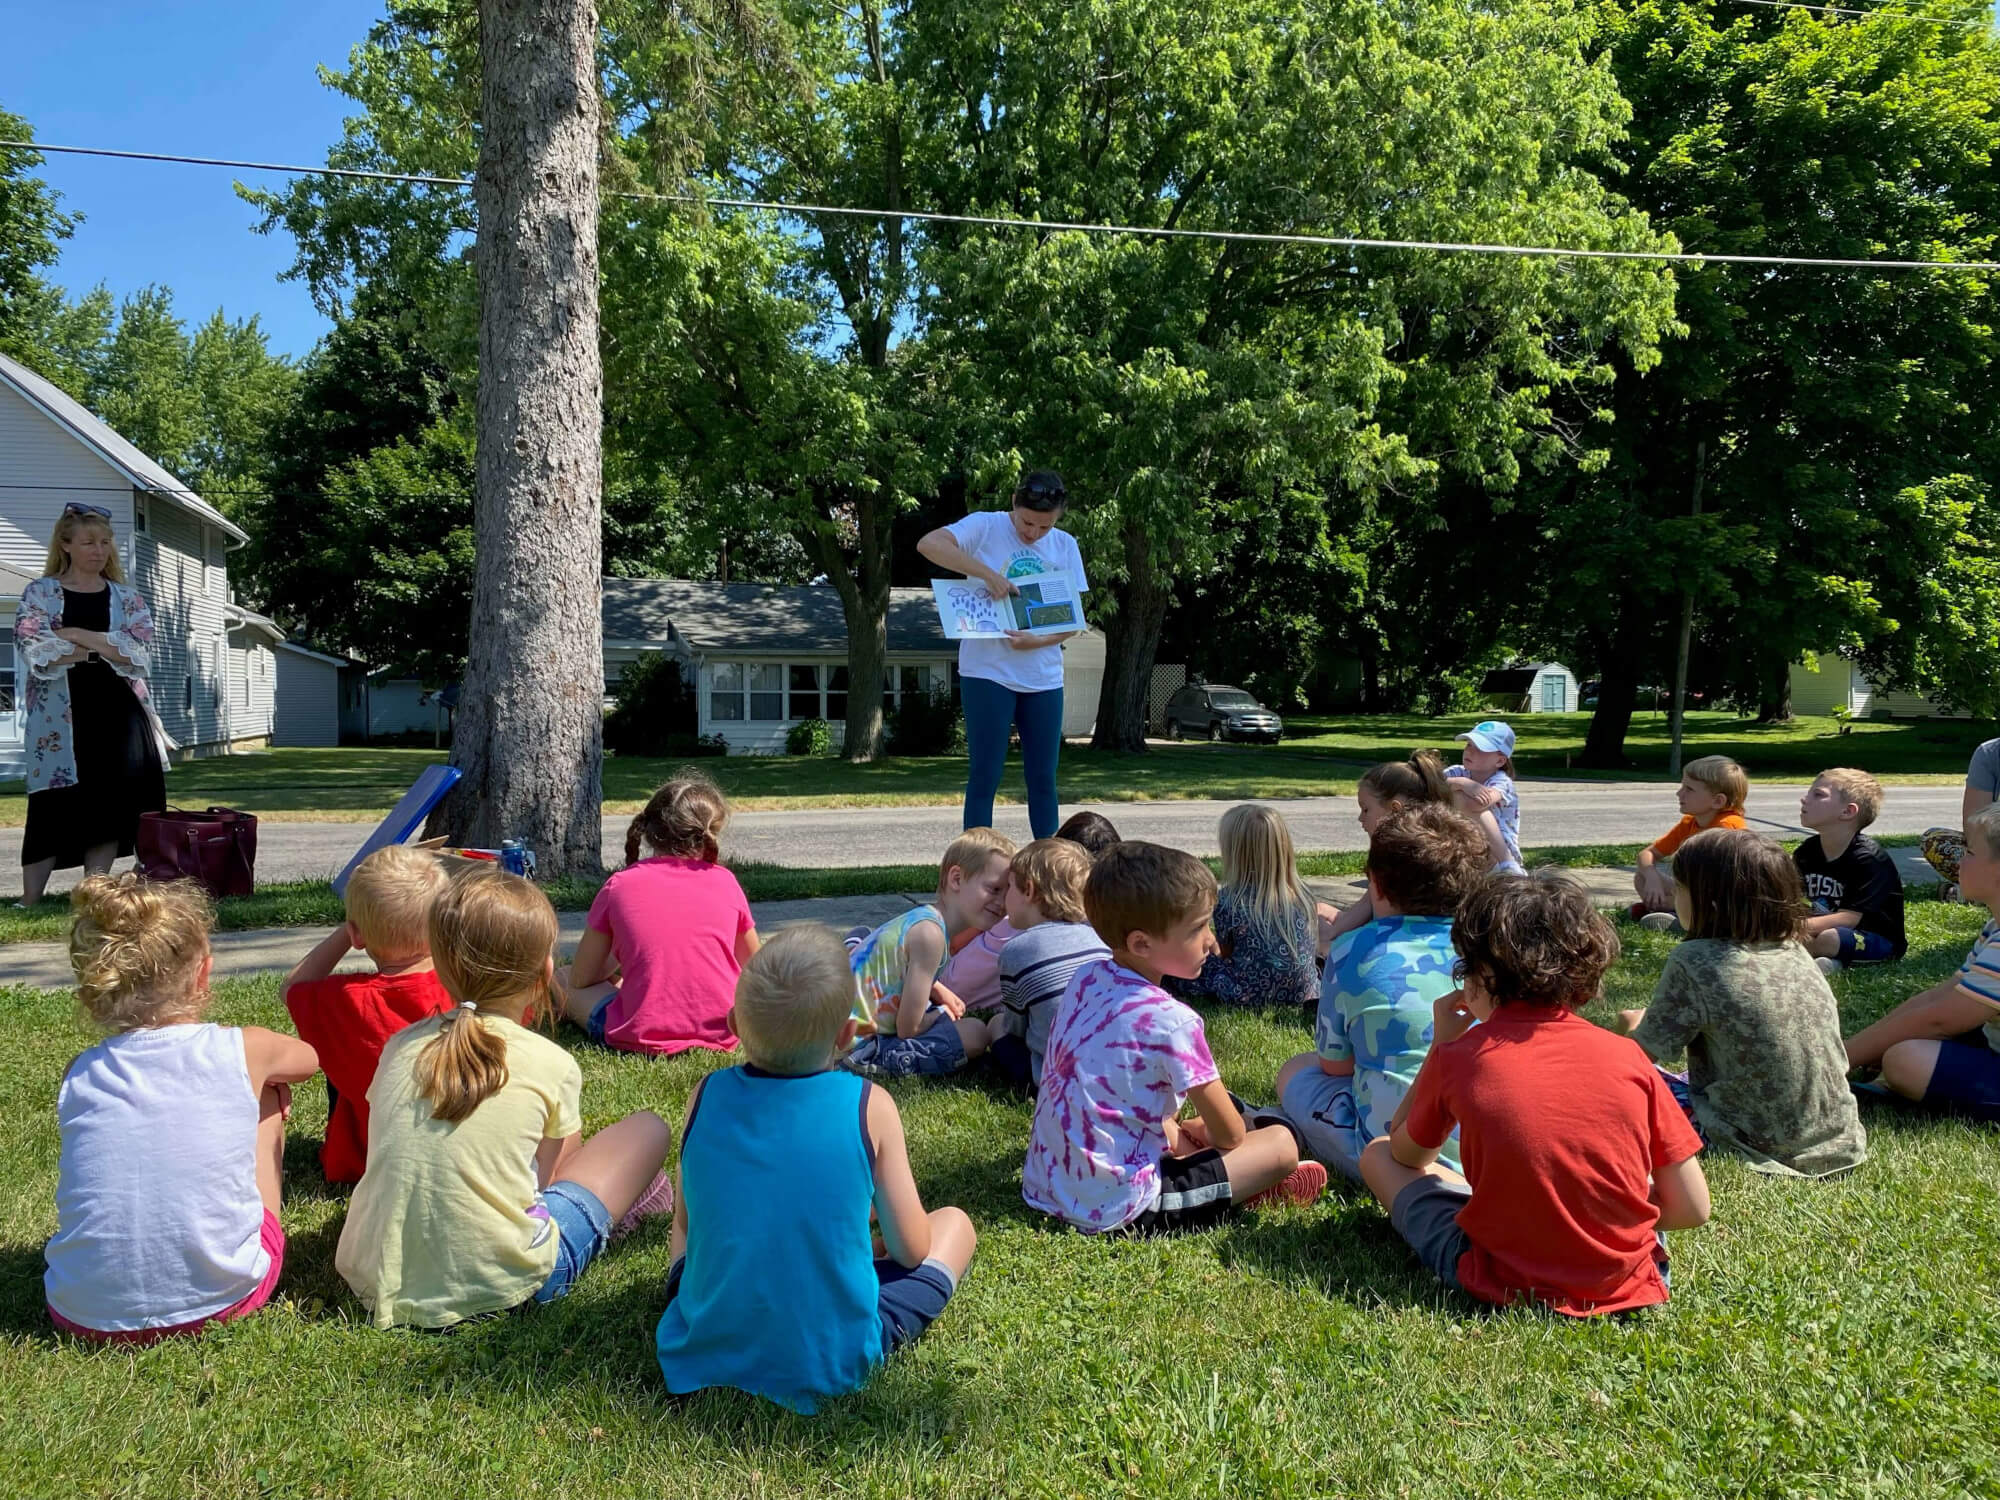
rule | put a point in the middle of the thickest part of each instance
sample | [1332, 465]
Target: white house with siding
[214, 672]
[765, 657]
[1833, 682]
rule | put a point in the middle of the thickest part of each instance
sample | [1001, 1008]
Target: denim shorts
[594, 1028]
[583, 1228]
[929, 1054]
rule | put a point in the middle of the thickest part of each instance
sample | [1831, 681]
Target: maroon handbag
[216, 848]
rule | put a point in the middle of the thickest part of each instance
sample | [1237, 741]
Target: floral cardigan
[51, 753]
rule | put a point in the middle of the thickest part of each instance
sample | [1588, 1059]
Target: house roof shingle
[113, 449]
[758, 617]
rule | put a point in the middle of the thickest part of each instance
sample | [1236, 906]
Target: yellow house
[1835, 683]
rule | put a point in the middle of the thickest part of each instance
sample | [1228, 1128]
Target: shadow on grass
[24, 1311]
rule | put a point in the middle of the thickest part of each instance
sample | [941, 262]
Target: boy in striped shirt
[1943, 1047]
[1053, 939]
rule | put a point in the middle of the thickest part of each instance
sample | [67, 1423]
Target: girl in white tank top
[172, 1128]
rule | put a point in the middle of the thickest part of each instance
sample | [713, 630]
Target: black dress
[118, 771]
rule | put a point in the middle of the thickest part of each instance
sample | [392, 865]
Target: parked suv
[1216, 711]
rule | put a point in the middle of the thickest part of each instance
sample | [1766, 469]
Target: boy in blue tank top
[775, 1287]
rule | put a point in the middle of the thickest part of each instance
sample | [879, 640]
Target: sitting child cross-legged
[1712, 793]
[918, 1026]
[1382, 980]
[1575, 1151]
[481, 1193]
[1853, 884]
[348, 1018]
[1767, 1077]
[1106, 1153]
[173, 1129]
[775, 1287]
[667, 935]
[1054, 939]
[1264, 918]
[1942, 1047]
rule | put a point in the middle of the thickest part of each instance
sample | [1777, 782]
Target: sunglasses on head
[78, 508]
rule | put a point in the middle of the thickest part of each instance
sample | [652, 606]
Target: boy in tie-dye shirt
[1382, 980]
[1107, 1153]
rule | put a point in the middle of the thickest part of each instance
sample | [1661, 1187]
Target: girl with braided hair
[667, 936]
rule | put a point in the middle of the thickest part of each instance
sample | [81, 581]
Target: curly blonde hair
[136, 946]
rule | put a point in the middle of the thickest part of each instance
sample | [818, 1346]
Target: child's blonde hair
[492, 935]
[136, 946]
[1858, 787]
[68, 524]
[1985, 824]
[793, 997]
[1409, 783]
[971, 852]
[684, 820]
[390, 896]
[1053, 872]
[1258, 864]
[1722, 776]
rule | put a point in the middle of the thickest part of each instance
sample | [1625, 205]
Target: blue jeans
[991, 711]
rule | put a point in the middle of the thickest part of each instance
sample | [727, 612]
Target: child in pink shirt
[667, 935]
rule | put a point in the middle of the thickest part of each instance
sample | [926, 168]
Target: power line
[1062, 226]
[1841, 10]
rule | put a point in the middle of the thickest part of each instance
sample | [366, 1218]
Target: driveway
[1552, 812]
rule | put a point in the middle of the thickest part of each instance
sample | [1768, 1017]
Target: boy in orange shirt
[1713, 791]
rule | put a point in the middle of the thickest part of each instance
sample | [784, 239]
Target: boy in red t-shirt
[1575, 1152]
[347, 1018]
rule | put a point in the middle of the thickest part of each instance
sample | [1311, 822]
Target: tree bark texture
[1131, 638]
[530, 734]
[1617, 694]
[863, 586]
[1774, 697]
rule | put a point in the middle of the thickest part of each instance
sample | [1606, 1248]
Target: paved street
[1552, 812]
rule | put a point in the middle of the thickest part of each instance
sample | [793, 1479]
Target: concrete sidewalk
[259, 950]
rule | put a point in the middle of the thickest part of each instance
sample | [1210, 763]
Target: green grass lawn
[1827, 1339]
[1322, 759]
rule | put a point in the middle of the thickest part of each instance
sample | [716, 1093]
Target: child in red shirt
[347, 1018]
[1575, 1151]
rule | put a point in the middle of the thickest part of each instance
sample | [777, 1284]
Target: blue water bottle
[513, 857]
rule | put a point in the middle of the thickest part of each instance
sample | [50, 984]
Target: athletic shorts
[908, 1299]
[271, 1236]
[1966, 1079]
[1194, 1194]
[1858, 947]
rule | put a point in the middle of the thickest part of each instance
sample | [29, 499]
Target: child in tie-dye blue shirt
[1381, 984]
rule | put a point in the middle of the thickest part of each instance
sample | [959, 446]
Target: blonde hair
[66, 528]
[1259, 866]
[492, 935]
[684, 820]
[971, 852]
[1986, 823]
[390, 896]
[1858, 787]
[1722, 776]
[793, 997]
[136, 946]
[1053, 871]
[1409, 783]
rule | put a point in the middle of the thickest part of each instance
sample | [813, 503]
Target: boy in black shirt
[1853, 884]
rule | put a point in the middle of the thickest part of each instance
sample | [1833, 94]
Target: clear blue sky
[202, 77]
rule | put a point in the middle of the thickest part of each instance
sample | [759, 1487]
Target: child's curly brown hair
[1534, 940]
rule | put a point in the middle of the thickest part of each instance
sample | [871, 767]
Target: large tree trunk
[863, 586]
[1131, 639]
[1774, 690]
[531, 729]
[1617, 692]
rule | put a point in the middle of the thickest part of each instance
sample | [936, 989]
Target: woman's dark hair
[1412, 782]
[1041, 489]
[1534, 940]
[1092, 830]
[1742, 887]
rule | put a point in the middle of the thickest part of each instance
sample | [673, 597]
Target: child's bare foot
[1306, 1182]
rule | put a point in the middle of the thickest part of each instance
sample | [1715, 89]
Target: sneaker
[1636, 910]
[1829, 966]
[1306, 1182]
[657, 1199]
[1660, 921]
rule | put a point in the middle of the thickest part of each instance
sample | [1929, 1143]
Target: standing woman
[96, 752]
[1015, 683]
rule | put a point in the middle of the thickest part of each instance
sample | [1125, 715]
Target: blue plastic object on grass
[404, 819]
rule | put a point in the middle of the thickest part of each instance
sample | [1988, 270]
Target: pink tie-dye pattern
[1122, 1055]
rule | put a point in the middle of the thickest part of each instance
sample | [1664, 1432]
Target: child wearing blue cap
[1484, 782]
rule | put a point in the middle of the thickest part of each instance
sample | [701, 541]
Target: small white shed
[1543, 687]
[308, 703]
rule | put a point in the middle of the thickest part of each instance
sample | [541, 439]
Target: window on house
[767, 691]
[7, 679]
[140, 520]
[836, 694]
[725, 691]
[187, 692]
[804, 692]
[246, 678]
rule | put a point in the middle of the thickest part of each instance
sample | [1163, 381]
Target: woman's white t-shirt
[989, 536]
